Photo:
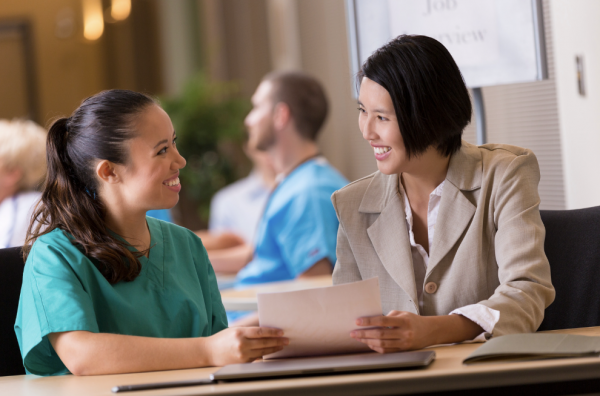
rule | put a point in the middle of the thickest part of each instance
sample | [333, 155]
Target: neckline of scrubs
[153, 265]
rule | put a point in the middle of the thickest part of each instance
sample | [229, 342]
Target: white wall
[576, 29]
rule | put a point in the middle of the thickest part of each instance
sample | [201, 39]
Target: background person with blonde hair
[22, 167]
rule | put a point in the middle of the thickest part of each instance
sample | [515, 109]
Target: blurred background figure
[235, 212]
[161, 214]
[297, 232]
[22, 168]
[298, 228]
[237, 208]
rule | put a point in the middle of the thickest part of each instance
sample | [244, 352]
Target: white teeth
[381, 150]
[172, 182]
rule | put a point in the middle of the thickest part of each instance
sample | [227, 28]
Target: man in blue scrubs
[297, 232]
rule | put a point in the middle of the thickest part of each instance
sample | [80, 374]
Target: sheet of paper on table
[318, 321]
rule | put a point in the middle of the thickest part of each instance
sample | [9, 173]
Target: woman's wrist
[203, 351]
[449, 329]
[434, 330]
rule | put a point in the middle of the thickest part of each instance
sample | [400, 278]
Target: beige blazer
[488, 245]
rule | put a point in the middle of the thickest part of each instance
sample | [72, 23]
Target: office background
[54, 53]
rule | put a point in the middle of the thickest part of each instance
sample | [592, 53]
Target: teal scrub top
[175, 295]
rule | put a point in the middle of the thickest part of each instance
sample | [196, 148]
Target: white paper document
[319, 321]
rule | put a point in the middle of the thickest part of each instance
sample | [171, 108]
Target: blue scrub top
[161, 214]
[299, 225]
[174, 296]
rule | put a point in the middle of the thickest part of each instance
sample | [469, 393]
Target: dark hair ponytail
[97, 130]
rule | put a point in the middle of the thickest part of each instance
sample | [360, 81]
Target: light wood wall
[235, 41]
[66, 69]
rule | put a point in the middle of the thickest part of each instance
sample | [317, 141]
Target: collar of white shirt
[433, 209]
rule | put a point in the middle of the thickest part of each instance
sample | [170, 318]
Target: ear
[105, 170]
[281, 116]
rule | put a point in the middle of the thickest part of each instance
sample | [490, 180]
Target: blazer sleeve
[525, 289]
[346, 269]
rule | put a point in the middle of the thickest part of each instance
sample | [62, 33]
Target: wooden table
[245, 299]
[447, 373]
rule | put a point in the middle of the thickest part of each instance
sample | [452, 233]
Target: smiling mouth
[171, 183]
[381, 150]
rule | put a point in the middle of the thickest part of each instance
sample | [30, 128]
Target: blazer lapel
[454, 216]
[456, 211]
[388, 233]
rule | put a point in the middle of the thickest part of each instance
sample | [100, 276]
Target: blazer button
[431, 287]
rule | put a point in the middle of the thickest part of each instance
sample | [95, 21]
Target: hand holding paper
[319, 321]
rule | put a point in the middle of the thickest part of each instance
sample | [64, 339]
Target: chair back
[573, 249]
[11, 278]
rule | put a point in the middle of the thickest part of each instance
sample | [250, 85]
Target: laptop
[300, 367]
[324, 365]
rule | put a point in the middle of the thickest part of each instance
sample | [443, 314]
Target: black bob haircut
[430, 97]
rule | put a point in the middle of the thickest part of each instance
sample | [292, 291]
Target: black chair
[573, 249]
[11, 278]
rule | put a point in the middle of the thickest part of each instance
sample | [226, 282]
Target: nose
[367, 128]
[179, 162]
[248, 119]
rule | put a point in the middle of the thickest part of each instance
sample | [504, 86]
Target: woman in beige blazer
[452, 230]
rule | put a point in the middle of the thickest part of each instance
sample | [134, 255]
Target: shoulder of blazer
[507, 149]
[363, 182]
[498, 157]
[367, 195]
[472, 164]
[352, 192]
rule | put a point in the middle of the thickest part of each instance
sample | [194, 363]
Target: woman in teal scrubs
[105, 288]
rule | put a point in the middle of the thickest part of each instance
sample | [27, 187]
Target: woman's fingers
[382, 321]
[384, 344]
[257, 353]
[262, 332]
[381, 333]
[385, 339]
[385, 350]
[263, 343]
[264, 337]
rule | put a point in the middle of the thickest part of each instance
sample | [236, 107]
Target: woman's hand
[87, 353]
[403, 331]
[395, 332]
[243, 344]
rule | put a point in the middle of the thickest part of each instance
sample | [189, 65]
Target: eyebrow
[375, 110]
[162, 141]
